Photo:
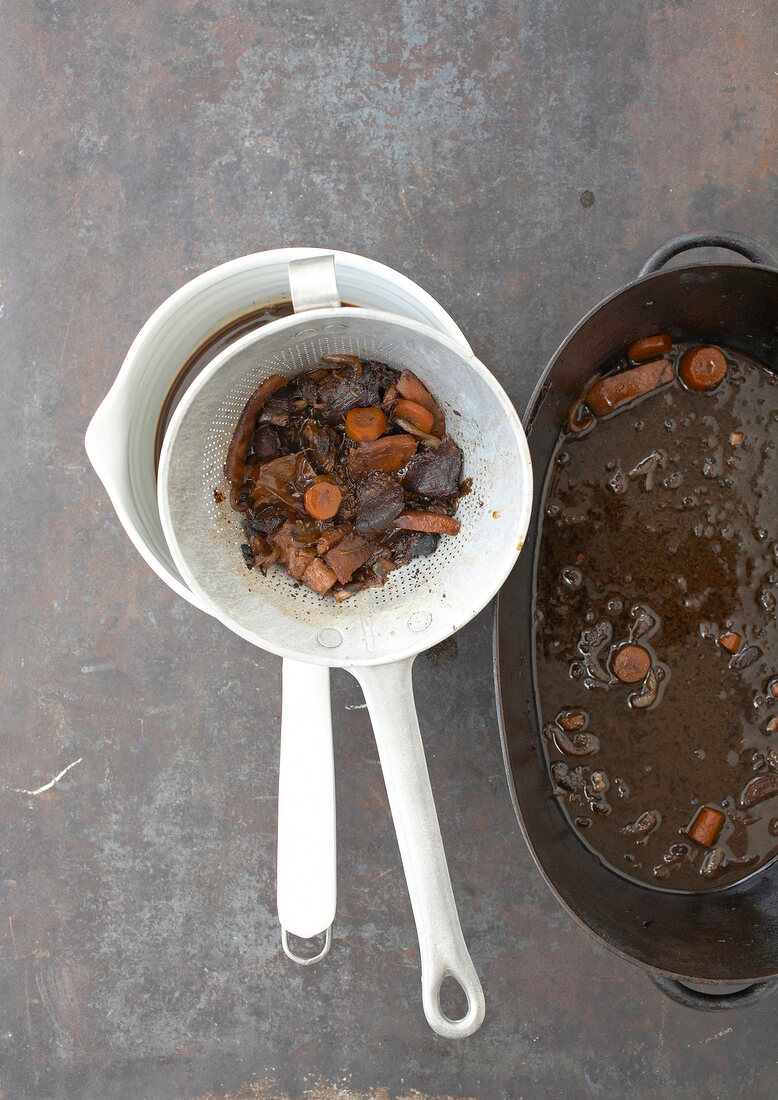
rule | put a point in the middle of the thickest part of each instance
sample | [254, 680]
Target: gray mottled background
[142, 143]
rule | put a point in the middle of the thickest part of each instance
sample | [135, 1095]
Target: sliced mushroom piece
[565, 779]
[758, 789]
[425, 437]
[572, 720]
[644, 621]
[713, 863]
[643, 825]
[235, 466]
[648, 692]
[580, 744]
[379, 502]
[580, 417]
[745, 657]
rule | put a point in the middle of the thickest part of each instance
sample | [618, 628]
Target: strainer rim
[333, 658]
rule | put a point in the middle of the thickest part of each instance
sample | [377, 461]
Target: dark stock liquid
[205, 354]
[660, 528]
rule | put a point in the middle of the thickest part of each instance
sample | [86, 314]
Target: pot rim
[687, 241]
[534, 399]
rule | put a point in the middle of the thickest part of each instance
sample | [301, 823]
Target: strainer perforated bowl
[377, 633]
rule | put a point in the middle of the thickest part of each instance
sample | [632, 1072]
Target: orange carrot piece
[322, 499]
[631, 663]
[706, 826]
[650, 347]
[434, 522]
[415, 415]
[365, 425]
[729, 641]
[702, 368]
[616, 390]
[413, 389]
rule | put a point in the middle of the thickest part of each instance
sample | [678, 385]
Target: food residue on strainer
[343, 474]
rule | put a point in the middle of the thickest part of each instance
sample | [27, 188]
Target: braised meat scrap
[343, 474]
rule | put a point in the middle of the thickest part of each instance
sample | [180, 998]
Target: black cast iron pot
[715, 940]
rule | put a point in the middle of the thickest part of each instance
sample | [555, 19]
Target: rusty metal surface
[519, 161]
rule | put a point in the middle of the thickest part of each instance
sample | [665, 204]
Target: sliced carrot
[415, 415]
[414, 390]
[650, 347]
[758, 789]
[365, 425]
[322, 499]
[620, 389]
[631, 663]
[702, 368]
[706, 826]
[729, 641]
[434, 522]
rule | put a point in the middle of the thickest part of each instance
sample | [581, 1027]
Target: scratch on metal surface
[355, 706]
[50, 784]
[266, 1090]
[13, 937]
[95, 668]
[65, 340]
[27, 1005]
[718, 1035]
[662, 1024]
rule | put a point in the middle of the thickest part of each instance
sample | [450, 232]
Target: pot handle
[711, 238]
[711, 1002]
[306, 870]
[388, 692]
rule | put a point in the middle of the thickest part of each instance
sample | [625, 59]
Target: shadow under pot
[711, 950]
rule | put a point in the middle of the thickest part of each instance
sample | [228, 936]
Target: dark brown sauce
[205, 354]
[660, 529]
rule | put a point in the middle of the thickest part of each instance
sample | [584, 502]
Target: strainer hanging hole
[420, 620]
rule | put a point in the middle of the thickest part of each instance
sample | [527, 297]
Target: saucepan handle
[388, 692]
[711, 1002]
[712, 238]
[306, 871]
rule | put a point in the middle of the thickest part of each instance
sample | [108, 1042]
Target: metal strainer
[377, 633]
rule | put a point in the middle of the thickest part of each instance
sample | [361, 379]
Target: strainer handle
[306, 873]
[388, 691]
